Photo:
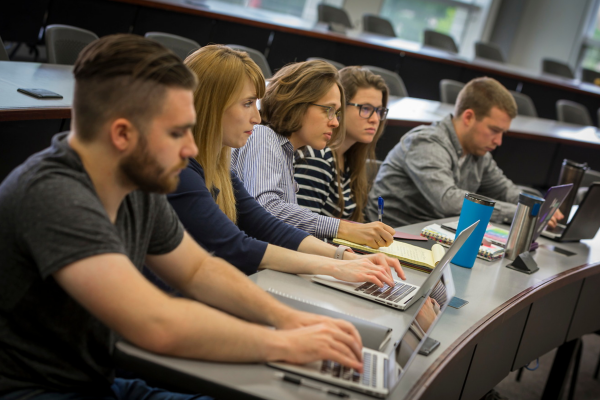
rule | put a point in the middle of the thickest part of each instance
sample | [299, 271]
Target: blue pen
[380, 201]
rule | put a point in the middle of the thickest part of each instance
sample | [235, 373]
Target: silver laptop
[402, 295]
[585, 222]
[381, 371]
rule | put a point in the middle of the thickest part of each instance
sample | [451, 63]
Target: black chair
[334, 63]
[439, 41]
[256, 56]
[525, 105]
[573, 113]
[64, 43]
[489, 51]
[381, 26]
[179, 45]
[589, 75]
[3, 53]
[394, 82]
[555, 67]
[333, 15]
[449, 90]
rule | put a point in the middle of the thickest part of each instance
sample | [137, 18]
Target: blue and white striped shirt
[266, 167]
[316, 174]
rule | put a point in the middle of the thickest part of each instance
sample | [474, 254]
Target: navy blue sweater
[243, 245]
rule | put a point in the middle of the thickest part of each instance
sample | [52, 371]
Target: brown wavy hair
[353, 79]
[221, 73]
[290, 92]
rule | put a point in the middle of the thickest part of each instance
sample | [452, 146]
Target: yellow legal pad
[409, 255]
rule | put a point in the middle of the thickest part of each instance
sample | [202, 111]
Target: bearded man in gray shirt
[427, 174]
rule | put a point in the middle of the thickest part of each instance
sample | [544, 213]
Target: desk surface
[489, 287]
[287, 23]
[18, 106]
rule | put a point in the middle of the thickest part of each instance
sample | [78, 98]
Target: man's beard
[142, 170]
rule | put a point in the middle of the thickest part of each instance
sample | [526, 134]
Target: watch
[339, 252]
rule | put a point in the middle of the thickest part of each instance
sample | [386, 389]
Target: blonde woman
[212, 202]
[303, 106]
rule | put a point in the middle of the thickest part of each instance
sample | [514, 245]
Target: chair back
[589, 75]
[3, 53]
[330, 14]
[256, 56]
[489, 51]
[392, 79]
[525, 105]
[449, 90]
[573, 113]
[557, 68]
[64, 43]
[334, 63]
[439, 41]
[381, 26]
[179, 45]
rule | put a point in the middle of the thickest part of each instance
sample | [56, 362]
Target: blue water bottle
[475, 208]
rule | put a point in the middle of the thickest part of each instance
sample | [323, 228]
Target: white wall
[549, 29]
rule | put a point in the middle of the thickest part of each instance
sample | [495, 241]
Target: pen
[312, 385]
[380, 201]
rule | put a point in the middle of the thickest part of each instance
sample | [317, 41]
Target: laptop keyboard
[368, 377]
[394, 293]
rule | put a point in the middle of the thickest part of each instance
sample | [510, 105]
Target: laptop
[381, 371]
[585, 222]
[402, 295]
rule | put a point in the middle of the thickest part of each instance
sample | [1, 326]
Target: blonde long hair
[221, 73]
[354, 78]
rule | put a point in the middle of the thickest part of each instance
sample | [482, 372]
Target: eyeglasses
[330, 111]
[366, 110]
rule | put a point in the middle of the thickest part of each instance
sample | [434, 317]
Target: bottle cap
[573, 164]
[530, 200]
[479, 199]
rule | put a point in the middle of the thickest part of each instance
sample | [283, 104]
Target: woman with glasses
[333, 181]
[212, 203]
[302, 107]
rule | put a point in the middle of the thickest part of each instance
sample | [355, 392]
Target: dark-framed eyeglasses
[366, 110]
[331, 112]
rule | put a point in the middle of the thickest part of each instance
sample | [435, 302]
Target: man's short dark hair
[124, 76]
[481, 94]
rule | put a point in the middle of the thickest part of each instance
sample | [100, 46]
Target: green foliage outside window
[410, 18]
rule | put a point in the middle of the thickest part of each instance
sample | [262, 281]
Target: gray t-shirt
[426, 176]
[51, 217]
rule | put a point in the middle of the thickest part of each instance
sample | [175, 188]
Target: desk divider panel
[548, 323]
[448, 385]
[422, 76]
[289, 47]
[586, 318]
[526, 161]
[494, 355]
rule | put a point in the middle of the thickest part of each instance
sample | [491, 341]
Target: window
[591, 44]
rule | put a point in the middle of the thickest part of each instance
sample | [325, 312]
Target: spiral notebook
[445, 237]
[374, 336]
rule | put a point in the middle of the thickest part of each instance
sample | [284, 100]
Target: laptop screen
[405, 351]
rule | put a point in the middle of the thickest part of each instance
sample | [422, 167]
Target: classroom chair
[333, 15]
[573, 113]
[381, 26]
[258, 57]
[525, 105]
[3, 53]
[439, 41]
[555, 67]
[64, 43]
[392, 79]
[488, 51]
[334, 63]
[589, 75]
[179, 45]
[449, 90]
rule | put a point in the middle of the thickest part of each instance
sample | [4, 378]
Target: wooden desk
[511, 319]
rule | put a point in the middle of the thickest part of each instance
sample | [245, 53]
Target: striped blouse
[266, 167]
[316, 175]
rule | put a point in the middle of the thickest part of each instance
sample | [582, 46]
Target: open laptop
[402, 295]
[584, 224]
[381, 371]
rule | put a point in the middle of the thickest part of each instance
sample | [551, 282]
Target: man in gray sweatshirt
[426, 175]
